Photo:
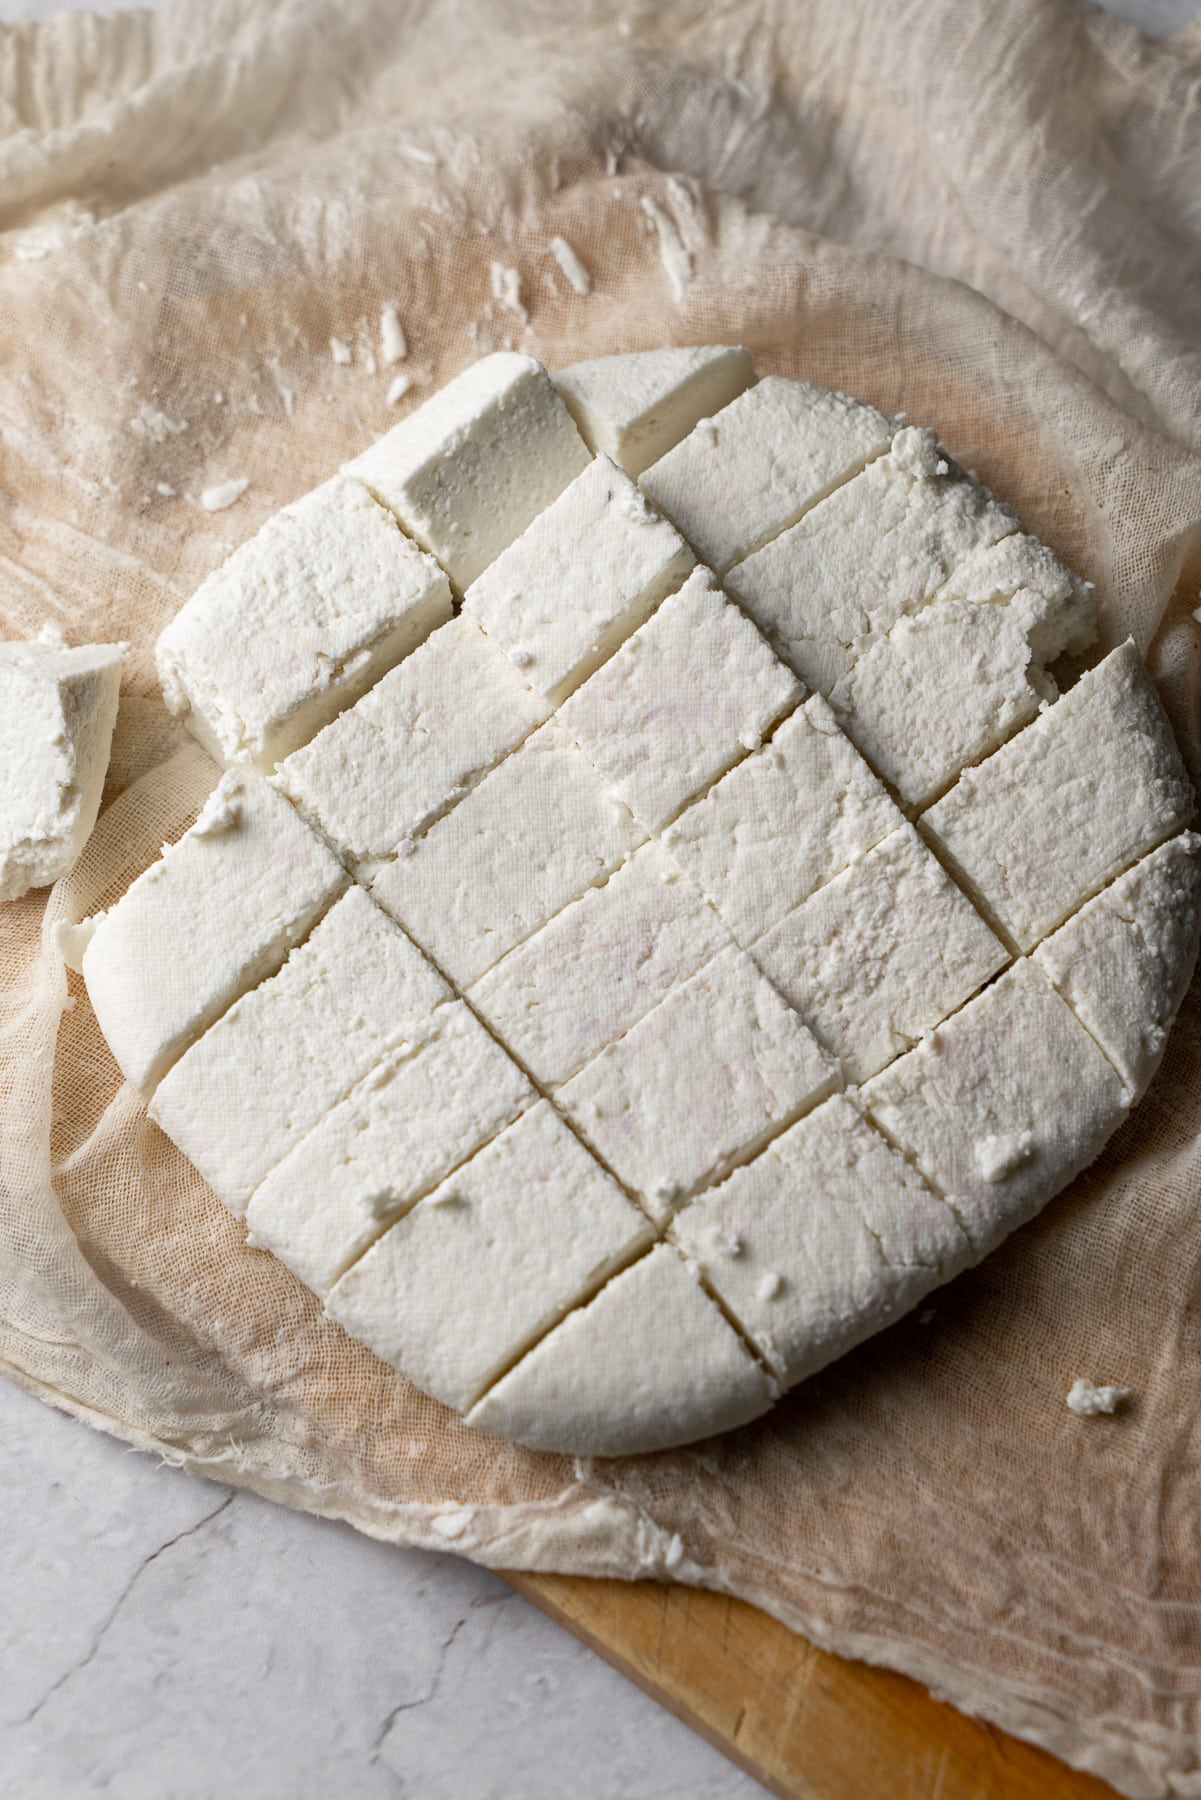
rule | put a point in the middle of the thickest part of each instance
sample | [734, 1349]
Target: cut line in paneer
[648, 1364]
[533, 835]
[701, 1083]
[635, 408]
[489, 1262]
[1093, 784]
[687, 696]
[771, 454]
[326, 597]
[468, 470]
[823, 1240]
[783, 822]
[262, 1076]
[880, 954]
[426, 1107]
[1124, 961]
[217, 914]
[1002, 1105]
[411, 748]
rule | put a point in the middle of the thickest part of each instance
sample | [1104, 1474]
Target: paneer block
[822, 1241]
[635, 408]
[772, 453]
[531, 837]
[297, 623]
[880, 954]
[57, 712]
[216, 915]
[468, 470]
[649, 1363]
[701, 1083]
[1093, 784]
[688, 695]
[599, 966]
[782, 822]
[491, 1260]
[426, 1107]
[414, 745]
[266, 1072]
[581, 577]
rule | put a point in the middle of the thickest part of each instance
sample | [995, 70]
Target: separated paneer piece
[782, 823]
[635, 408]
[716, 1070]
[822, 1241]
[533, 835]
[1093, 784]
[1002, 1105]
[426, 1107]
[266, 1072]
[683, 699]
[585, 574]
[414, 745]
[648, 1364]
[57, 712]
[598, 967]
[467, 471]
[738, 480]
[214, 917]
[486, 1264]
[1124, 962]
[297, 623]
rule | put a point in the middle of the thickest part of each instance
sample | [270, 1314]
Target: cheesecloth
[987, 216]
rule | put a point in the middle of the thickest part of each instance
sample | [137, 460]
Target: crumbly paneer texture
[599, 966]
[262, 1076]
[533, 835]
[649, 1363]
[821, 1241]
[297, 623]
[467, 471]
[419, 1113]
[686, 697]
[635, 408]
[1093, 784]
[770, 455]
[57, 712]
[581, 577]
[491, 1260]
[783, 822]
[1065, 623]
[701, 1083]
[1124, 962]
[1002, 1105]
[880, 954]
[212, 918]
[415, 744]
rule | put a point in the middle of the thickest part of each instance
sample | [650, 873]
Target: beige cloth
[989, 216]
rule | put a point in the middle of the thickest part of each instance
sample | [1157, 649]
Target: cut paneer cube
[1093, 784]
[468, 470]
[649, 1363]
[701, 1083]
[486, 1264]
[821, 1241]
[739, 479]
[426, 1107]
[533, 835]
[585, 574]
[297, 623]
[262, 1076]
[687, 696]
[635, 408]
[215, 916]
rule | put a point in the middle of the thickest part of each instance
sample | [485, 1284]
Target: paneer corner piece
[635, 408]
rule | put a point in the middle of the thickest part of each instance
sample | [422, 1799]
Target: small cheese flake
[998, 1157]
[53, 634]
[398, 388]
[771, 1285]
[571, 265]
[751, 740]
[166, 490]
[224, 493]
[520, 659]
[672, 253]
[1087, 1401]
[394, 345]
[506, 290]
[341, 351]
[223, 808]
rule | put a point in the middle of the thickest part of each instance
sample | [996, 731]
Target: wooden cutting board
[808, 1725]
